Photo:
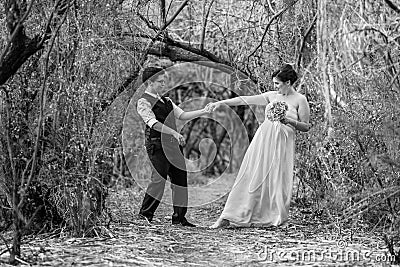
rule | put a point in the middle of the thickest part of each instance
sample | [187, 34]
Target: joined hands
[181, 140]
[210, 107]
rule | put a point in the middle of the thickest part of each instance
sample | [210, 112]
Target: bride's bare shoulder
[300, 96]
[301, 100]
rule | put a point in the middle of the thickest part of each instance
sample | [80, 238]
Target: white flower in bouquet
[276, 110]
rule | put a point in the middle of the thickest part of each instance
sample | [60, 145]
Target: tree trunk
[323, 51]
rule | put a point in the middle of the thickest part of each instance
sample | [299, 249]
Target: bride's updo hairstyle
[286, 73]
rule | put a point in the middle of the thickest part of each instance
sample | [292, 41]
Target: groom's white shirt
[148, 116]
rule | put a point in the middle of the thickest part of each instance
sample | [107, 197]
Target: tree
[22, 161]
[69, 68]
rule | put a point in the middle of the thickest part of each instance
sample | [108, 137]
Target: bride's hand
[212, 106]
[208, 108]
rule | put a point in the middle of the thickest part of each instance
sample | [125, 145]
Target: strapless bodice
[291, 112]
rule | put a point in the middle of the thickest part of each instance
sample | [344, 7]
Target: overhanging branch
[393, 6]
[23, 47]
[133, 76]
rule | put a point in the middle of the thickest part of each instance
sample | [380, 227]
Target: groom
[164, 146]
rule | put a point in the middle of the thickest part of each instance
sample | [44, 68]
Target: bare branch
[12, 60]
[8, 139]
[180, 8]
[29, 222]
[163, 12]
[149, 23]
[141, 61]
[203, 32]
[204, 54]
[48, 28]
[16, 31]
[41, 112]
[267, 27]
[392, 6]
[5, 243]
[303, 41]
[270, 6]
[175, 54]
[161, 30]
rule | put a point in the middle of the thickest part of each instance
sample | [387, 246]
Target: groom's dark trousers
[167, 160]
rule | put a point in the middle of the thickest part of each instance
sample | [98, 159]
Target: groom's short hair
[150, 72]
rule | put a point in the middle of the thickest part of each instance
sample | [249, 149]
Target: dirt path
[131, 242]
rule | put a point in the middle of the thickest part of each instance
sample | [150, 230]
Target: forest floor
[128, 241]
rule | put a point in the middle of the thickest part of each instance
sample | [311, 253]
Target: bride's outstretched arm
[261, 99]
[189, 115]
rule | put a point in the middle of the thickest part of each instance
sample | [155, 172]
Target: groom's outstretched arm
[188, 115]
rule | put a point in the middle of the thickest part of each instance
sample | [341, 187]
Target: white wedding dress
[262, 190]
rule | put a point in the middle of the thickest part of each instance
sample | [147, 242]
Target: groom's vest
[164, 113]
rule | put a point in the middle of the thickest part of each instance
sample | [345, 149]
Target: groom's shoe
[182, 222]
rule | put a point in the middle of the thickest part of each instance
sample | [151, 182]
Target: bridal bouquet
[276, 110]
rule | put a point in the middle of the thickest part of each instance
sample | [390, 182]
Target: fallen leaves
[133, 242]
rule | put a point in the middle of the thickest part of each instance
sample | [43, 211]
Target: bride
[262, 190]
